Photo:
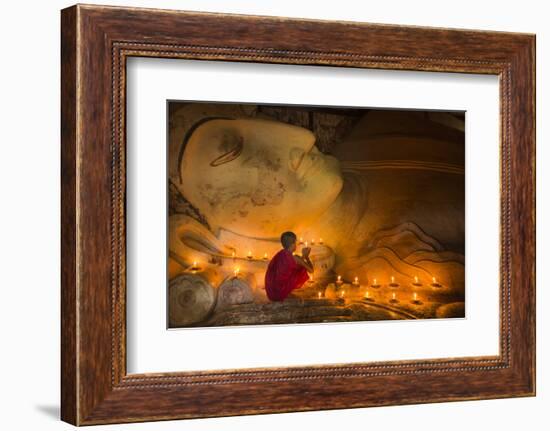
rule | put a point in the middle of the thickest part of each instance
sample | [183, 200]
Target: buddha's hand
[306, 251]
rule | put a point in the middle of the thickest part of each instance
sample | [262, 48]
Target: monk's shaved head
[288, 239]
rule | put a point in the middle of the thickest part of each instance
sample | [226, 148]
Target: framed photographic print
[329, 214]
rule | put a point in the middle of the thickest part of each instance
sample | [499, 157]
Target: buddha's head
[257, 177]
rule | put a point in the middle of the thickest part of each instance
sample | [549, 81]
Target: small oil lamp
[375, 284]
[195, 266]
[265, 256]
[415, 299]
[393, 283]
[339, 280]
[356, 281]
[393, 299]
[416, 281]
[435, 283]
[236, 271]
[321, 241]
[249, 255]
[368, 297]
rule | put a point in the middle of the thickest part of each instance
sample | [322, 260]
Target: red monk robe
[283, 275]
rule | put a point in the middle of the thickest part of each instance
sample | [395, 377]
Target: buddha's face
[257, 177]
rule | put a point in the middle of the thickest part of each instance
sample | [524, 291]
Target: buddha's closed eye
[231, 147]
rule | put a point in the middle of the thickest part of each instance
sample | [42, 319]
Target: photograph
[292, 214]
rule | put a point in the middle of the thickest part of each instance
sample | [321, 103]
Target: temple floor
[344, 304]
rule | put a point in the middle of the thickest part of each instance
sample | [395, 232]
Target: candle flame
[339, 278]
[265, 255]
[367, 294]
[319, 294]
[416, 279]
[392, 279]
[374, 282]
[320, 240]
[414, 296]
[306, 243]
[356, 280]
[434, 280]
[393, 295]
[236, 271]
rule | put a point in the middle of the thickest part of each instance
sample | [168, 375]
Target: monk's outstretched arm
[305, 262]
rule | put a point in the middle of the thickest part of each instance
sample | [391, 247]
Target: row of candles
[416, 282]
[393, 300]
[312, 242]
[250, 256]
[368, 297]
[195, 267]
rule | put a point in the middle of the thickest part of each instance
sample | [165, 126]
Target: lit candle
[236, 271]
[415, 299]
[195, 266]
[249, 255]
[339, 280]
[415, 296]
[306, 243]
[312, 242]
[356, 281]
[435, 283]
[393, 298]
[233, 254]
[392, 279]
[342, 294]
[310, 278]
[375, 283]
[321, 241]
[301, 240]
[416, 281]
[319, 295]
[367, 295]
[265, 256]
[393, 283]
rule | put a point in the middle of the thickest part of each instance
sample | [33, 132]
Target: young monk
[287, 271]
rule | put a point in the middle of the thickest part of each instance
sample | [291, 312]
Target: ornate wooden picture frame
[96, 41]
